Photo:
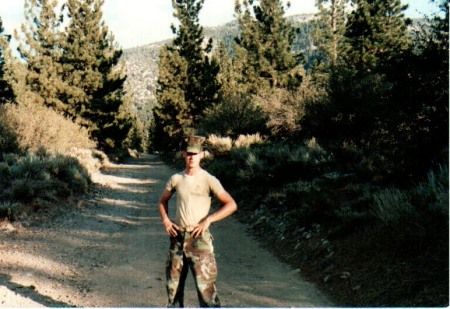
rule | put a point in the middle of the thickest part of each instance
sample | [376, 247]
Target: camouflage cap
[194, 144]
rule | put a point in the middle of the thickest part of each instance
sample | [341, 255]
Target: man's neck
[193, 171]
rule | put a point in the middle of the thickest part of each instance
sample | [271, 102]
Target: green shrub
[347, 220]
[392, 206]
[70, 171]
[42, 153]
[9, 158]
[8, 210]
[8, 140]
[277, 164]
[22, 190]
[5, 173]
[368, 165]
[225, 168]
[421, 210]
[29, 167]
[434, 193]
[297, 199]
[235, 115]
[41, 177]
[261, 165]
[255, 170]
[339, 207]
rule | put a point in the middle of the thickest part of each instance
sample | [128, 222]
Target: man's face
[192, 159]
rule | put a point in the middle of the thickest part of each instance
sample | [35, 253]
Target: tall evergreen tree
[357, 85]
[171, 112]
[376, 32]
[227, 77]
[263, 52]
[187, 79]
[6, 92]
[41, 51]
[93, 75]
[376, 36]
[415, 131]
[235, 113]
[330, 29]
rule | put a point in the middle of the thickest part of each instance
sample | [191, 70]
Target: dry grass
[245, 141]
[222, 145]
[219, 145]
[92, 160]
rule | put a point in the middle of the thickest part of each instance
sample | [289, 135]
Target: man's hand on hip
[201, 228]
[171, 228]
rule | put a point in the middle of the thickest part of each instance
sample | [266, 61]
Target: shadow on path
[30, 293]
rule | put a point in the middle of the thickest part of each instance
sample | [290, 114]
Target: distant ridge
[141, 63]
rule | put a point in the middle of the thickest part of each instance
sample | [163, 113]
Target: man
[190, 239]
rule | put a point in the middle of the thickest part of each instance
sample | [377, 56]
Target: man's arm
[229, 206]
[170, 227]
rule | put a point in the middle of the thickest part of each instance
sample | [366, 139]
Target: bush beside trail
[42, 182]
[46, 161]
[363, 239]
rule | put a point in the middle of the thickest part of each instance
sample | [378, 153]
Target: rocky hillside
[141, 63]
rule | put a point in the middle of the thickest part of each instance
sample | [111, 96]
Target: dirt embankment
[111, 252]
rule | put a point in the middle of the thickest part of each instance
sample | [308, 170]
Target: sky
[140, 22]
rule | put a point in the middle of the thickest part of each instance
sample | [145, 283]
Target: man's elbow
[233, 207]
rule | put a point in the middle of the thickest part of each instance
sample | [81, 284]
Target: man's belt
[188, 229]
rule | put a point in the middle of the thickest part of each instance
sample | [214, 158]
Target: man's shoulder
[177, 175]
[175, 178]
[213, 182]
[208, 175]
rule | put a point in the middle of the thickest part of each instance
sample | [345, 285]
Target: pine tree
[357, 84]
[415, 127]
[187, 79]
[235, 113]
[94, 75]
[330, 29]
[227, 77]
[41, 51]
[376, 32]
[172, 111]
[81, 52]
[263, 52]
[6, 92]
[376, 36]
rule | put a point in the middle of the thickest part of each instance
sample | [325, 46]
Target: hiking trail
[111, 252]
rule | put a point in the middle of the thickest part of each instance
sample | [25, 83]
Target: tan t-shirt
[193, 196]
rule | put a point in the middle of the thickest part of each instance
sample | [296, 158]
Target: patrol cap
[194, 144]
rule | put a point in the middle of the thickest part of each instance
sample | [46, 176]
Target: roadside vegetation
[339, 165]
[336, 151]
[46, 162]
[363, 241]
[57, 120]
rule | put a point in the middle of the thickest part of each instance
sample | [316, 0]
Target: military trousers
[196, 254]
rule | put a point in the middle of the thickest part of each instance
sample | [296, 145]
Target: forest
[331, 133]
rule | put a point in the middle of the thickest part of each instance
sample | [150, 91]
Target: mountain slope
[141, 63]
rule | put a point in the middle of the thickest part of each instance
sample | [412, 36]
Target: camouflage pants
[197, 254]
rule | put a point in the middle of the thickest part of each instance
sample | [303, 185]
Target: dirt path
[111, 253]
